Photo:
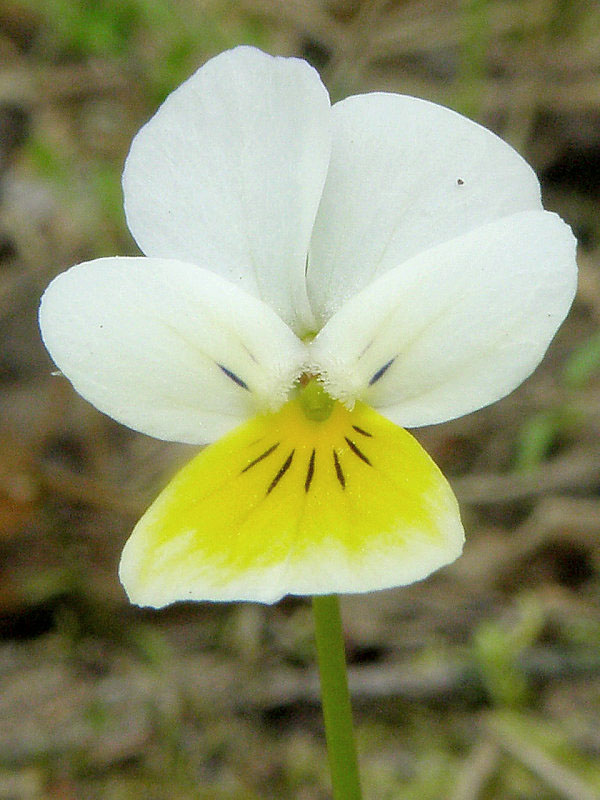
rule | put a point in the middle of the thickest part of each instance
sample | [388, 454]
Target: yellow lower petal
[288, 504]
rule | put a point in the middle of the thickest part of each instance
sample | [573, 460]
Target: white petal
[404, 175]
[229, 172]
[456, 327]
[168, 348]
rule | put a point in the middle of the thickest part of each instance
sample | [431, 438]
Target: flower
[314, 277]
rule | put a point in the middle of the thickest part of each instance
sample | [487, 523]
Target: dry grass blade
[557, 777]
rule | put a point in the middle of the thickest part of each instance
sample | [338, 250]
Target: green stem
[336, 698]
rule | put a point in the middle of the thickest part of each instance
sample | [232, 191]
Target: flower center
[316, 403]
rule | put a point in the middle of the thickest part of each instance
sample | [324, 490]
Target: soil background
[482, 681]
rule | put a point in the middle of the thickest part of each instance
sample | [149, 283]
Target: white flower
[384, 248]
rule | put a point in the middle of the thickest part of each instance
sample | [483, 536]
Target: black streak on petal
[260, 458]
[356, 451]
[338, 470]
[284, 468]
[310, 472]
[364, 433]
[381, 371]
[234, 377]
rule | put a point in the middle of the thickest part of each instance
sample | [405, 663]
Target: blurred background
[482, 681]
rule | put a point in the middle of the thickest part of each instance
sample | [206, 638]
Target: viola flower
[316, 278]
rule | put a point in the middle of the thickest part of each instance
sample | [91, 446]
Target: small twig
[83, 489]
[577, 469]
[562, 780]
[44, 85]
[445, 683]
[477, 770]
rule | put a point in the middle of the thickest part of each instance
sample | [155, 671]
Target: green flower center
[316, 403]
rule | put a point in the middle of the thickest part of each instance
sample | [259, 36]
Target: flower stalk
[335, 698]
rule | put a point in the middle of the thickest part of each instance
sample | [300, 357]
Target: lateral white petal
[168, 348]
[229, 172]
[456, 327]
[405, 175]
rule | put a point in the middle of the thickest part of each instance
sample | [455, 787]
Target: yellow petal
[288, 504]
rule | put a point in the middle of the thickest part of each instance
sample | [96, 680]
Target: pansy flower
[316, 279]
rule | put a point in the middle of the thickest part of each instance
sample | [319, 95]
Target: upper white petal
[456, 327]
[229, 172]
[404, 175]
[168, 348]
